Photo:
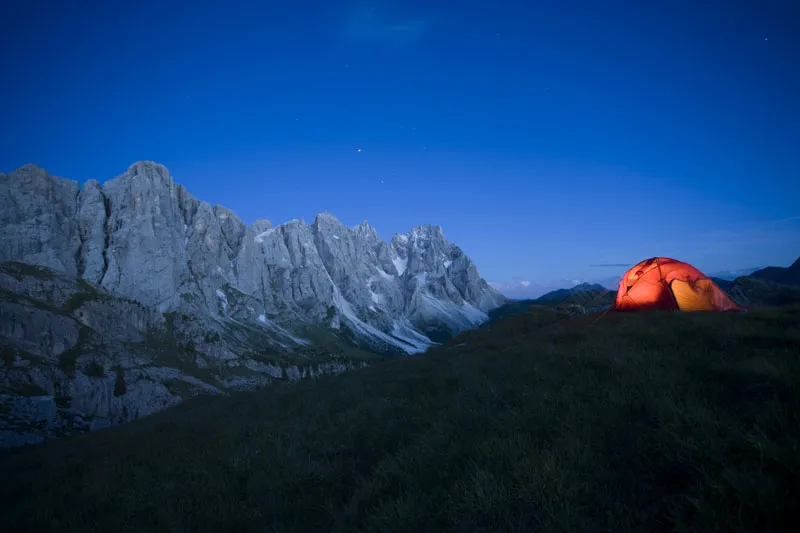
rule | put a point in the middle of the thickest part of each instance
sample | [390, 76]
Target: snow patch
[384, 274]
[403, 330]
[458, 316]
[261, 236]
[447, 264]
[224, 299]
[365, 329]
[283, 331]
[336, 237]
[400, 265]
[375, 297]
[473, 313]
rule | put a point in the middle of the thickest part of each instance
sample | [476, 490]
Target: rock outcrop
[136, 280]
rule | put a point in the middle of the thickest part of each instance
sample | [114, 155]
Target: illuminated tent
[663, 283]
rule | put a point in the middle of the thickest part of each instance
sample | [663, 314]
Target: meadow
[535, 422]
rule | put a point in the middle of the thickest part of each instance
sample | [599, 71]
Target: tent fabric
[669, 284]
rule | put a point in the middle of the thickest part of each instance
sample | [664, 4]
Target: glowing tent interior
[669, 284]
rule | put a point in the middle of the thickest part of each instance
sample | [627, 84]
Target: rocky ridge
[137, 282]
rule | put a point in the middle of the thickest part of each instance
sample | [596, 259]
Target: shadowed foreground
[637, 422]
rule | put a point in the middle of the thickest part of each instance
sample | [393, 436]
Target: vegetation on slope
[633, 422]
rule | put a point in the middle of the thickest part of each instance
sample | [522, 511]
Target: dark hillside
[620, 422]
[786, 276]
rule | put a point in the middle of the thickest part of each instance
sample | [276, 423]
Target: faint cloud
[525, 283]
[375, 24]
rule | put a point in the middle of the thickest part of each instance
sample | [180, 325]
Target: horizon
[552, 144]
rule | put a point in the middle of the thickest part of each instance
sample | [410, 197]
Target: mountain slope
[581, 294]
[75, 358]
[614, 425]
[770, 286]
[241, 305]
[752, 292]
[786, 276]
[141, 236]
[584, 297]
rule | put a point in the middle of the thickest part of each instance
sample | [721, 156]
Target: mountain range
[123, 299]
[770, 286]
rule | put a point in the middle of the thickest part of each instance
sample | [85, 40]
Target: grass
[120, 387]
[633, 422]
[167, 349]
[85, 293]
[68, 359]
[21, 270]
[24, 389]
[8, 355]
[94, 369]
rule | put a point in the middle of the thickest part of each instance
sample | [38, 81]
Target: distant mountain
[731, 275]
[751, 291]
[579, 293]
[770, 286]
[786, 276]
[586, 297]
[138, 283]
[722, 283]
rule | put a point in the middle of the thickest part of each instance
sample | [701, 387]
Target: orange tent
[663, 283]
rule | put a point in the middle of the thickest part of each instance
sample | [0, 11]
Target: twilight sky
[546, 138]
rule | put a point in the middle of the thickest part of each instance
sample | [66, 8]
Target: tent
[664, 283]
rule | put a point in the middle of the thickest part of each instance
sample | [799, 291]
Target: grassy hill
[633, 422]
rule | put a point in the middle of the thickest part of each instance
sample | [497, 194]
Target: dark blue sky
[544, 137]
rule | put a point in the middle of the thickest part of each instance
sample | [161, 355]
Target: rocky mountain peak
[141, 236]
[366, 231]
[148, 170]
[326, 218]
[143, 277]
